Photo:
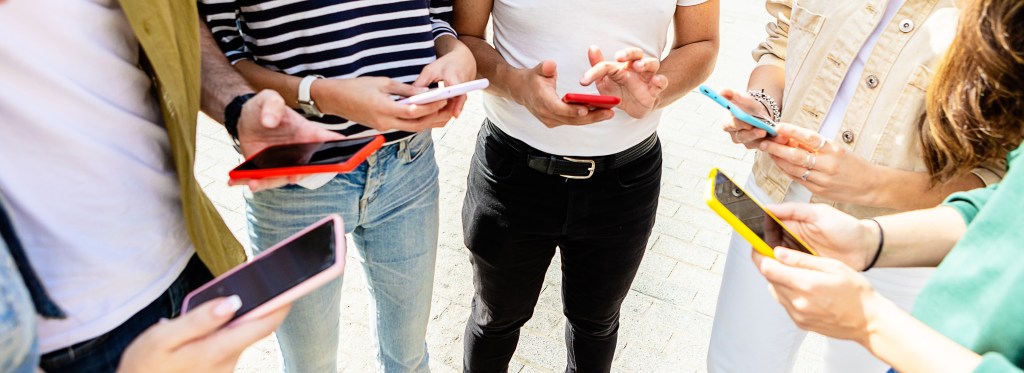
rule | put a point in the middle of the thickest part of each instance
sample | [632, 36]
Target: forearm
[693, 53]
[907, 190]
[769, 79]
[221, 83]
[262, 78]
[919, 238]
[686, 67]
[491, 65]
[447, 44]
[910, 346]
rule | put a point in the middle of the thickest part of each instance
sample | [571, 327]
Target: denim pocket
[416, 146]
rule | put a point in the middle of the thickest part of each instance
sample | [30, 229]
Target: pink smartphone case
[297, 291]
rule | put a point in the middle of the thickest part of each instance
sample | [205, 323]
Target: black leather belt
[572, 167]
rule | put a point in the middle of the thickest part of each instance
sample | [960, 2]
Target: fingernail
[581, 112]
[763, 146]
[268, 119]
[781, 254]
[162, 320]
[228, 306]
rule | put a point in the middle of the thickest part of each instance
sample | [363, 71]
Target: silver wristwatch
[305, 100]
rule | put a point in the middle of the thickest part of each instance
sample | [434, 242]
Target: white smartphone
[445, 93]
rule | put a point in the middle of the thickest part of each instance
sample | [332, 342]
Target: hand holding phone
[591, 101]
[768, 126]
[749, 218]
[308, 158]
[281, 274]
[445, 93]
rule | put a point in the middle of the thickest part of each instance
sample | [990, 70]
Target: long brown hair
[975, 106]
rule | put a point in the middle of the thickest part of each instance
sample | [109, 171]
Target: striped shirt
[333, 38]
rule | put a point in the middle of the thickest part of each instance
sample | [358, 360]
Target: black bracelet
[881, 242]
[233, 111]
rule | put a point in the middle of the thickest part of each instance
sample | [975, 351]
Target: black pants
[103, 353]
[513, 219]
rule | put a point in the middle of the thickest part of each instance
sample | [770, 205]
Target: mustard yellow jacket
[168, 32]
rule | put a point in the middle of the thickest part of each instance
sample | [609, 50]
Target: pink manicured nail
[228, 306]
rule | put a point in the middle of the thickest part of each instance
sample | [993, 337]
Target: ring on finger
[821, 145]
[805, 175]
[810, 161]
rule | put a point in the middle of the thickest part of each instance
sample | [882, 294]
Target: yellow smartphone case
[751, 237]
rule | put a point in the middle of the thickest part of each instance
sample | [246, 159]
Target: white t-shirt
[86, 164]
[529, 31]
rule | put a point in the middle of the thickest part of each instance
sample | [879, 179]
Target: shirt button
[872, 81]
[906, 26]
[848, 136]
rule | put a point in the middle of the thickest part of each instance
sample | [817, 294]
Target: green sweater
[976, 296]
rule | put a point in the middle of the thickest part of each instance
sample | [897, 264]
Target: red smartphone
[281, 274]
[307, 158]
[593, 101]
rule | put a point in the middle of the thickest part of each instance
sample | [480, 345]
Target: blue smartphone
[737, 112]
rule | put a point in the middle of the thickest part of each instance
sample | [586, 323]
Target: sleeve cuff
[769, 59]
[442, 31]
[992, 362]
[236, 56]
[987, 176]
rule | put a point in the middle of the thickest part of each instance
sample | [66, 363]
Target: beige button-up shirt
[815, 41]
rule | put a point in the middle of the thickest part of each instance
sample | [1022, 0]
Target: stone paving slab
[666, 319]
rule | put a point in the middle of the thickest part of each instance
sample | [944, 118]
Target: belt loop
[403, 149]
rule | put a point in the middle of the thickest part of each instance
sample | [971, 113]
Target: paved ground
[666, 320]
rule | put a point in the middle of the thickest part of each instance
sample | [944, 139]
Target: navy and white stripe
[336, 39]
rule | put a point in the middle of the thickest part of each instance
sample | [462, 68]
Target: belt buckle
[577, 160]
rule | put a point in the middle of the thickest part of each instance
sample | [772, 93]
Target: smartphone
[737, 112]
[749, 218]
[445, 93]
[593, 101]
[307, 158]
[281, 274]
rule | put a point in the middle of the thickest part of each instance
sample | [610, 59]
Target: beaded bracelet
[768, 102]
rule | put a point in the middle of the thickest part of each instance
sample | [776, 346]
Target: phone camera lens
[736, 192]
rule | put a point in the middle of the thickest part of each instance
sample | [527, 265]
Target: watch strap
[305, 98]
[234, 111]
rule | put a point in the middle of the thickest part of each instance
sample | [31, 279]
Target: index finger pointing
[597, 72]
[629, 54]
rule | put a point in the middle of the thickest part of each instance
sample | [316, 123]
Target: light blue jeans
[390, 206]
[18, 350]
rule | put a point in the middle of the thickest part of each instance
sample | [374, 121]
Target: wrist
[233, 112]
[878, 314]
[514, 80]
[872, 243]
[875, 188]
[319, 94]
[771, 107]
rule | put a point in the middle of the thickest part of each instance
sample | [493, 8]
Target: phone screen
[755, 218]
[273, 273]
[309, 154]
